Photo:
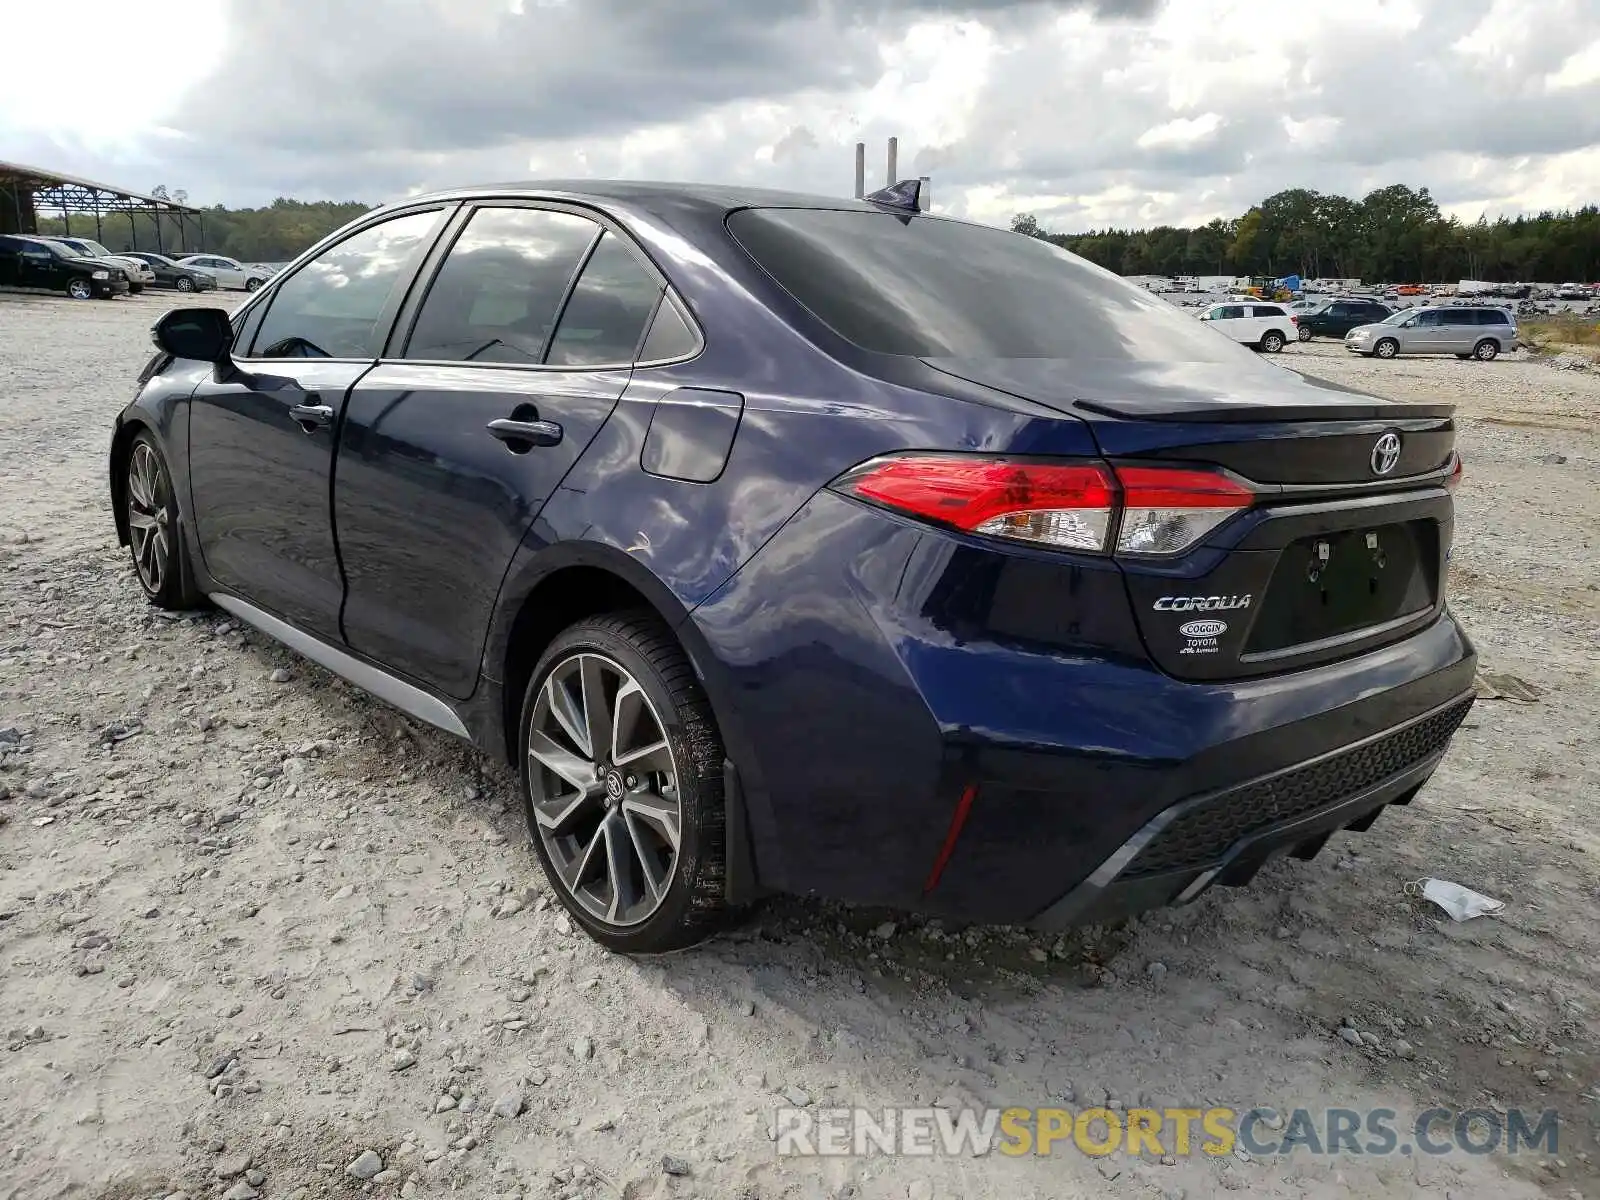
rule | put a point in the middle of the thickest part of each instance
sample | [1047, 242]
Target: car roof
[647, 194]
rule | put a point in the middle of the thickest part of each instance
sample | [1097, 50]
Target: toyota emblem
[1385, 453]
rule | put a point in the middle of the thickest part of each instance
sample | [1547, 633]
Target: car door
[1426, 335]
[227, 273]
[1231, 320]
[520, 348]
[261, 435]
[1459, 332]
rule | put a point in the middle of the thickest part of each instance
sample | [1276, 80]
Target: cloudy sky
[1087, 113]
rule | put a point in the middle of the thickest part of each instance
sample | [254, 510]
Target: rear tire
[651, 774]
[1487, 350]
[1272, 342]
[1386, 348]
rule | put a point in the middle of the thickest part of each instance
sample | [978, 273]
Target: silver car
[1467, 331]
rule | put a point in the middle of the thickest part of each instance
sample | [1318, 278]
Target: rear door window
[340, 304]
[1269, 310]
[496, 298]
[927, 287]
[604, 319]
[1460, 316]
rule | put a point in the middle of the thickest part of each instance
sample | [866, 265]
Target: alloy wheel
[149, 527]
[604, 789]
[78, 289]
[185, 285]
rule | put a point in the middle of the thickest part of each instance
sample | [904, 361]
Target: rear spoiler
[1262, 414]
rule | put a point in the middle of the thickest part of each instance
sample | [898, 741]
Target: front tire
[1487, 350]
[622, 785]
[1272, 341]
[80, 289]
[1387, 348]
[185, 285]
[251, 285]
[1305, 333]
[135, 288]
[155, 534]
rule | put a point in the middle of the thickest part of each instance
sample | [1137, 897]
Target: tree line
[272, 234]
[1393, 234]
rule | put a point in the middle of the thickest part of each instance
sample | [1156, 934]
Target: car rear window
[926, 287]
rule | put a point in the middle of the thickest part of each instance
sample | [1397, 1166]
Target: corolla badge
[1203, 629]
[1385, 453]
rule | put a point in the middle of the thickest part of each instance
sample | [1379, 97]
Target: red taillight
[1168, 509]
[1063, 505]
[1069, 506]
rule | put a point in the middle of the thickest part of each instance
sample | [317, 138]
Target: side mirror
[1408, 324]
[201, 334]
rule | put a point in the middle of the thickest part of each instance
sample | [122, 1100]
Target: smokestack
[861, 169]
[926, 194]
[894, 163]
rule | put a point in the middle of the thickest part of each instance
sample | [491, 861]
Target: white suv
[1265, 326]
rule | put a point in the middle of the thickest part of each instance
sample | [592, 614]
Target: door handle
[528, 433]
[311, 416]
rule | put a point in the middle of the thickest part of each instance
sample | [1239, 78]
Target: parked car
[138, 272]
[1478, 331]
[27, 261]
[168, 274]
[1265, 326]
[792, 543]
[228, 272]
[1339, 317]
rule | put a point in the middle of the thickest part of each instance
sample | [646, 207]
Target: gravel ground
[261, 935]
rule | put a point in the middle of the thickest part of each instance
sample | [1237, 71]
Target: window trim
[428, 273]
[250, 315]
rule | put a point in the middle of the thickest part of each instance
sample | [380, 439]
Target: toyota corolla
[787, 543]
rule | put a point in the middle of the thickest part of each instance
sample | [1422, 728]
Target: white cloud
[1187, 111]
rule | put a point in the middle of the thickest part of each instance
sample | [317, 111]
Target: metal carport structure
[28, 193]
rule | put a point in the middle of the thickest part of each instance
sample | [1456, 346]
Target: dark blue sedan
[787, 543]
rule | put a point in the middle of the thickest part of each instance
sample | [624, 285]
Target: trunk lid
[1346, 545]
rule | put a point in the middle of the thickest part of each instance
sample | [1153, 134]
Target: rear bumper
[1225, 837]
[981, 735]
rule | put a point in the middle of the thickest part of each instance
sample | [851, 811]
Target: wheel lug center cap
[614, 788]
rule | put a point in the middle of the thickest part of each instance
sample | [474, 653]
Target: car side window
[1431, 317]
[1268, 310]
[1230, 312]
[604, 319]
[331, 306]
[496, 298]
[1493, 316]
[671, 336]
[1461, 316]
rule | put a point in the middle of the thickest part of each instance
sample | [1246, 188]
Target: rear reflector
[1068, 506]
[1456, 471]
